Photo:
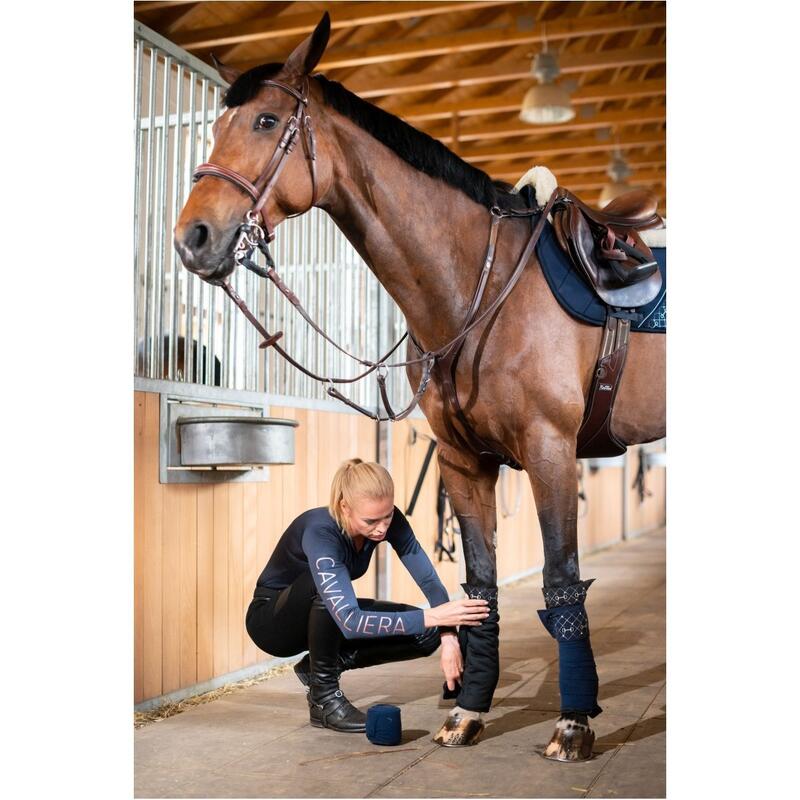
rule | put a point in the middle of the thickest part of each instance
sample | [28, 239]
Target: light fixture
[619, 171]
[546, 103]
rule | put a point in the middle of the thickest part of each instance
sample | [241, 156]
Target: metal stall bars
[186, 330]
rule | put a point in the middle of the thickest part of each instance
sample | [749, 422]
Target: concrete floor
[258, 743]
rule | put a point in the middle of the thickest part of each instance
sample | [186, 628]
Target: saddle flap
[582, 245]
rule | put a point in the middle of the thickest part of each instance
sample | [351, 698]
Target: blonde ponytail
[357, 478]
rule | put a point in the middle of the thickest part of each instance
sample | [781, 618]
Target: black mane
[418, 149]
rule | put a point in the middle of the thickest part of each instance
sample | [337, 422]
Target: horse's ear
[229, 74]
[307, 54]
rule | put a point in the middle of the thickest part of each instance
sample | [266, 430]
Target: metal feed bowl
[232, 441]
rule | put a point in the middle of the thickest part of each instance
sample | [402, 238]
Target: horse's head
[262, 166]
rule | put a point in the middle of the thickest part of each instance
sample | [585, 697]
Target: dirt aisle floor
[258, 743]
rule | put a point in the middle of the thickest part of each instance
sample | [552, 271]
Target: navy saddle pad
[577, 298]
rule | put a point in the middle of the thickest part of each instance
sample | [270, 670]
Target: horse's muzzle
[204, 252]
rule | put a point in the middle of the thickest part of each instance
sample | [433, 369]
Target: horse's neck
[423, 240]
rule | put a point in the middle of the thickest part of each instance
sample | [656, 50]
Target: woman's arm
[443, 613]
[416, 560]
[323, 550]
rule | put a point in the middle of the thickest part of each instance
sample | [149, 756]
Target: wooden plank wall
[198, 549]
[650, 512]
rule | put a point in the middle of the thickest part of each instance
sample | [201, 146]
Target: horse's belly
[640, 407]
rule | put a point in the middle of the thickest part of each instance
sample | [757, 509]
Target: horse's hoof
[459, 732]
[572, 741]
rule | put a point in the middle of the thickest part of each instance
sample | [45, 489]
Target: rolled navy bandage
[383, 724]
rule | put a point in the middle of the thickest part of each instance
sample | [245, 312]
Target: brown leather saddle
[606, 247]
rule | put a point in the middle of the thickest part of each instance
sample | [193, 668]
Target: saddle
[606, 248]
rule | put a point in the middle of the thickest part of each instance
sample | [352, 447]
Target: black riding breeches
[277, 621]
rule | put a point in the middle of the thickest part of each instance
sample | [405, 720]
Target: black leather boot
[329, 708]
[303, 670]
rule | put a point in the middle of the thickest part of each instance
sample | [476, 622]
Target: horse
[420, 217]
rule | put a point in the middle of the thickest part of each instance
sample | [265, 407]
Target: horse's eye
[266, 122]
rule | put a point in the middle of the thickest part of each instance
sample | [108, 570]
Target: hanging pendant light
[547, 103]
[619, 171]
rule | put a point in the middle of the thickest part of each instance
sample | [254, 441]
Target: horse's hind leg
[550, 464]
[471, 487]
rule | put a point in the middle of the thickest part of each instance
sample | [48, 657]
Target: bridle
[298, 122]
[256, 232]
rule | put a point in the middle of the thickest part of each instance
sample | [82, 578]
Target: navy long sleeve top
[315, 542]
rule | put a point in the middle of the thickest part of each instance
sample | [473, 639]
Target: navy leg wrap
[566, 621]
[481, 655]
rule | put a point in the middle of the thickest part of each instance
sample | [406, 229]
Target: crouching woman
[304, 598]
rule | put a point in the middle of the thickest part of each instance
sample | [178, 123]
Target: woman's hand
[452, 665]
[457, 612]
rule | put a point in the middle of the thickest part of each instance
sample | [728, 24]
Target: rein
[257, 231]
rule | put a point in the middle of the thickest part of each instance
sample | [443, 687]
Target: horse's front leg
[550, 464]
[471, 487]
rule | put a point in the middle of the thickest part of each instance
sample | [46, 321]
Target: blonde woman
[304, 598]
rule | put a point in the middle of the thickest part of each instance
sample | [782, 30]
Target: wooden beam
[145, 8]
[345, 15]
[505, 71]
[593, 199]
[539, 149]
[482, 39]
[587, 183]
[171, 20]
[512, 170]
[516, 127]
[497, 104]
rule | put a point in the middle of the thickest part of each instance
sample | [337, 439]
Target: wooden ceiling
[459, 70]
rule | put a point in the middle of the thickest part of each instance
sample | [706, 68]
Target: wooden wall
[650, 512]
[198, 549]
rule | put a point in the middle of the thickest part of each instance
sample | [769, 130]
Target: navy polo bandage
[383, 724]
[480, 653]
[569, 626]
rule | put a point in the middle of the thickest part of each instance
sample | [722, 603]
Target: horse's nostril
[198, 236]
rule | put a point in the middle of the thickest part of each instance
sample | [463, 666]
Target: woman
[304, 598]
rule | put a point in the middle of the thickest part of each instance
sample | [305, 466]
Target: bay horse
[420, 217]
